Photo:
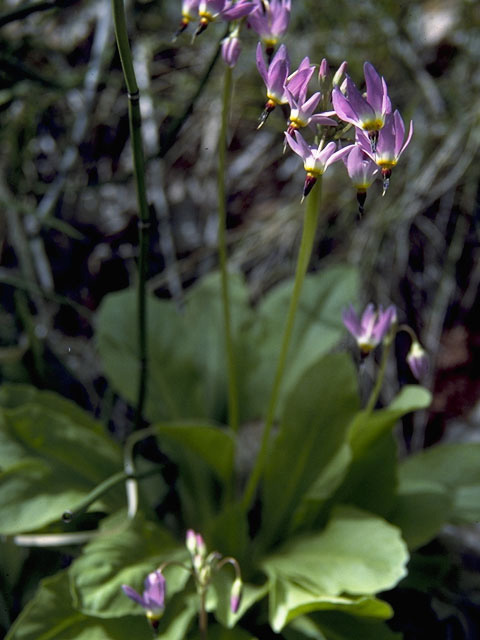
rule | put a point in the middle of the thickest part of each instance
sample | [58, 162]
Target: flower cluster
[379, 133]
[202, 565]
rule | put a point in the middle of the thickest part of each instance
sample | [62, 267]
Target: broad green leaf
[420, 510]
[313, 429]
[357, 554]
[317, 329]
[368, 427]
[288, 600]
[211, 443]
[372, 477]
[186, 350]
[50, 615]
[50, 459]
[336, 625]
[125, 557]
[455, 468]
[216, 632]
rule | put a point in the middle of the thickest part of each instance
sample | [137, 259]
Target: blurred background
[68, 230]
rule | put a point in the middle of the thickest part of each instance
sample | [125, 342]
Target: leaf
[289, 600]
[357, 554]
[336, 625]
[371, 480]
[186, 351]
[446, 476]
[51, 456]
[211, 443]
[313, 429]
[218, 598]
[50, 615]
[317, 329]
[126, 557]
[421, 509]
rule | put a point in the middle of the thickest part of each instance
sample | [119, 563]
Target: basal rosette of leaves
[337, 514]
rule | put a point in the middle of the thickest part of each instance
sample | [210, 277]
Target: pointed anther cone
[361, 197]
[310, 180]
[202, 25]
[386, 173]
[269, 107]
[181, 28]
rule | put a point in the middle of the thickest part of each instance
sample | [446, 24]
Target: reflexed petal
[358, 103]
[133, 595]
[261, 66]
[409, 137]
[386, 140]
[369, 317]
[338, 155]
[238, 10]
[352, 321]
[342, 107]
[384, 322]
[298, 145]
[375, 93]
[399, 132]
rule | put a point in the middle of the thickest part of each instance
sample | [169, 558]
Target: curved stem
[304, 255]
[135, 123]
[222, 253]
[372, 400]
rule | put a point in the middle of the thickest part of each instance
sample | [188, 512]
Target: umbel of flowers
[201, 567]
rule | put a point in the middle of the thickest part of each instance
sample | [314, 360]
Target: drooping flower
[316, 160]
[210, 10]
[390, 145]
[417, 360]
[189, 14]
[367, 113]
[270, 20]
[301, 113]
[371, 328]
[153, 598]
[362, 171]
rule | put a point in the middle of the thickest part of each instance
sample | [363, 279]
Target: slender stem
[203, 619]
[372, 401]
[135, 123]
[222, 252]
[305, 252]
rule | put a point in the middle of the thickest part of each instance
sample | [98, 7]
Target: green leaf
[372, 477]
[450, 475]
[358, 554]
[50, 615]
[218, 597]
[317, 329]
[289, 600]
[336, 625]
[211, 443]
[51, 456]
[313, 429]
[124, 557]
[186, 351]
[421, 509]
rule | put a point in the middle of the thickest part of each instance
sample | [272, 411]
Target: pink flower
[316, 160]
[270, 20]
[366, 114]
[391, 143]
[371, 328]
[361, 171]
[210, 10]
[417, 360]
[153, 598]
[231, 48]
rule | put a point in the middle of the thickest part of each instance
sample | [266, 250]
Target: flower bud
[236, 595]
[417, 360]
[231, 48]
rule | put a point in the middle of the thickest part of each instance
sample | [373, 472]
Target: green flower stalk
[304, 255]
[222, 253]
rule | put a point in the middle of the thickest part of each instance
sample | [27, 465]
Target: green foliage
[52, 455]
[188, 368]
[357, 554]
